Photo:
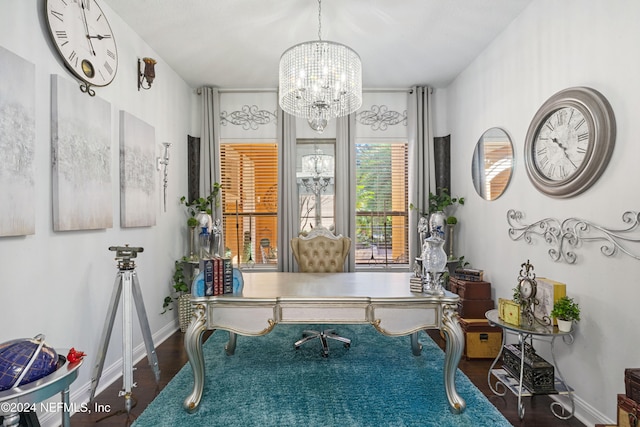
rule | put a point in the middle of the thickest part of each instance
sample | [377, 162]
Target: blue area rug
[377, 382]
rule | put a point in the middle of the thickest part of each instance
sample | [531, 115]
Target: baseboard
[587, 414]
[110, 374]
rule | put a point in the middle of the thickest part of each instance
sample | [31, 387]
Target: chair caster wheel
[297, 347]
[347, 345]
[325, 355]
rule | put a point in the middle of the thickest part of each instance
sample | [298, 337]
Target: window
[382, 203]
[315, 176]
[250, 202]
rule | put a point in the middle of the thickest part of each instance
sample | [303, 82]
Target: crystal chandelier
[320, 80]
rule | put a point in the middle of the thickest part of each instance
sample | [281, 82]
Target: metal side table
[505, 381]
[26, 397]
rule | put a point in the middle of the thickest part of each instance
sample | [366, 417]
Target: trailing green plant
[442, 200]
[566, 309]
[179, 286]
[201, 204]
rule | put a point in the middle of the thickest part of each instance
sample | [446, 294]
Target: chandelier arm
[320, 20]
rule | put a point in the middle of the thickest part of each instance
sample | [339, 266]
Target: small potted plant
[440, 211]
[442, 200]
[202, 204]
[181, 295]
[565, 311]
[199, 212]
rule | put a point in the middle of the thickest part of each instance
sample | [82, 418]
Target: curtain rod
[198, 91]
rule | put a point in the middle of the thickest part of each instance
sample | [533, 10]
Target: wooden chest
[481, 341]
[632, 383]
[471, 290]
[628, 412]
[474, 308]
[538, 376]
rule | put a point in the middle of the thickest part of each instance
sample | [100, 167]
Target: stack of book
[469, 274]
[218, 276]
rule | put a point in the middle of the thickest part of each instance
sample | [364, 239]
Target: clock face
[526, 289]
[569, 142]
[84, 39]
[561, 144]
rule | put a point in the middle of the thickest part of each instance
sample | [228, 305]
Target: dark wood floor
[172, 357]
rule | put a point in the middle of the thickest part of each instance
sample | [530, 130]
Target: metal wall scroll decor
[380, 118]
[571, 233]
[250, 117]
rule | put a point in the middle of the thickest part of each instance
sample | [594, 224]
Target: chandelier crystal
[320, 80]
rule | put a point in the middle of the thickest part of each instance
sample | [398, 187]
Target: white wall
[60, 283]
[551, 46]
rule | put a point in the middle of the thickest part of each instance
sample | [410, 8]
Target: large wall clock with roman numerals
[570, 141]
[84, 39]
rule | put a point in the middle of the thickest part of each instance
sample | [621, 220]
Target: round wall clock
[570, 141]
[84, 40]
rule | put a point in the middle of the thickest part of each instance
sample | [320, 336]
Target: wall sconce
[164, 161]
[149, 72]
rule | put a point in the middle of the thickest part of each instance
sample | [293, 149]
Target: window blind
[382, 203]
[250, 201]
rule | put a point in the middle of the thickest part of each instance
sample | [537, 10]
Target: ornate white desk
[381, 299]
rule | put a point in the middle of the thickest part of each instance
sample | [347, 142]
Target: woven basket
[185, 311]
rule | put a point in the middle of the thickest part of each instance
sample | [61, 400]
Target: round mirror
[492, 163]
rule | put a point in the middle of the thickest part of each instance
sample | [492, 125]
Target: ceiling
[236, 44]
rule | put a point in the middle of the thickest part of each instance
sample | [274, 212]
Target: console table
[382, 299]
[515, 385]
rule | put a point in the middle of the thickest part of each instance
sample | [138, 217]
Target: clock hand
[564, 151]
[86, 28]
[99, 37]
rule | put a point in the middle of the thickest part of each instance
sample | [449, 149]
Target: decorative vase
[204, 241]
[192, 238]
[450, 234]
[437, 223]
[204, 219]
[434, 261]
[564, 325]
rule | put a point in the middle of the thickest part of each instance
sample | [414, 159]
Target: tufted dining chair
[321, 251]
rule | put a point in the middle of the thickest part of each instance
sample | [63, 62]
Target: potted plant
[565, 311]
[180, 294]
[198, 211]
[201, 204]
[442, 200]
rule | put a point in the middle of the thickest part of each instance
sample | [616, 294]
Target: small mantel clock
[527, 289]
[84, 40]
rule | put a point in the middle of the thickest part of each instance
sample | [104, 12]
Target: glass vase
[437, 223]
[192, 238]
[434, 262]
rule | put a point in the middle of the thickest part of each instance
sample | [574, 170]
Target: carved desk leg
[416, 347]
[454, 346]
[193, 347]
[230, 347]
